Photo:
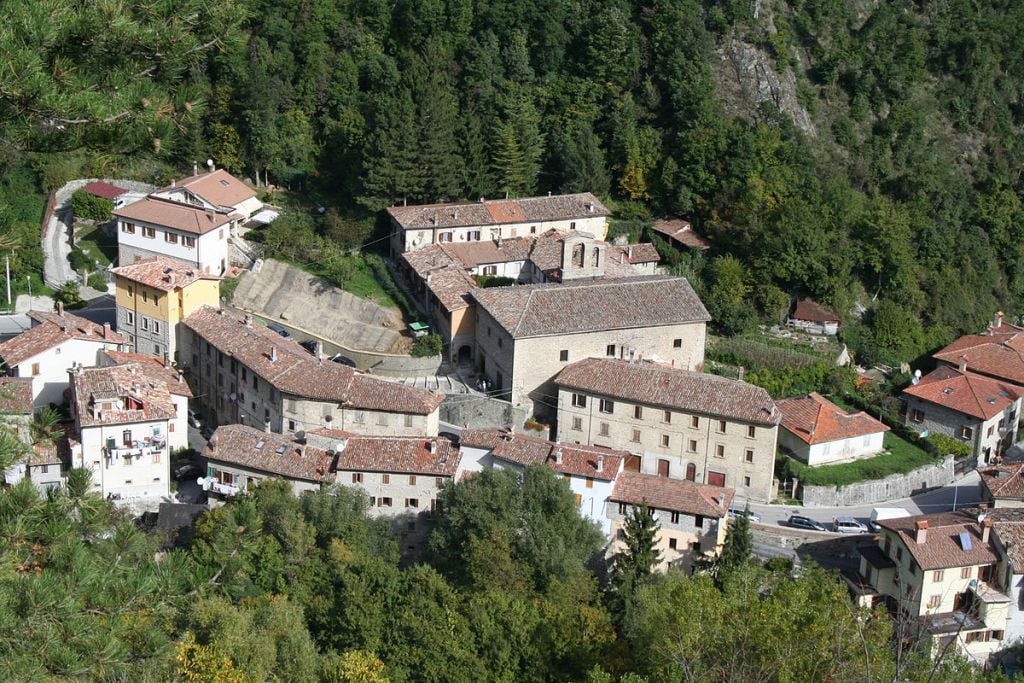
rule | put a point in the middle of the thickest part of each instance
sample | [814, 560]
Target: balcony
[136, 448]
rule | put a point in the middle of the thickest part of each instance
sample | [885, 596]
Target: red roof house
[819, 432]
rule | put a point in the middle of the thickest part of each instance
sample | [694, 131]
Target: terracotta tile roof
[443, 275]
[473, 254]
[49, 454]
[942, 547]
[104, 190]
[641, 253]
[15, 395]
[814, 419]
[166, 213]
[268, 452]
[291, 370]
[218, 187]
[152, 366]
[162, 273]
[53, 329]
[525, 450]
[398, 454]
[967, 393]
[573, 307]
[120, 385]
[659, 385]
[999, 354]
[808, 309]
[498, 211]
[1008, 528]
[1003, 481]
[681, 231]
[674, 495]
[617, 263]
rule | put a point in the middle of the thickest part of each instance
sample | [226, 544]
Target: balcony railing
[136, 448]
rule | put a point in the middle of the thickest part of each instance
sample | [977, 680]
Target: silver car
[848, 525]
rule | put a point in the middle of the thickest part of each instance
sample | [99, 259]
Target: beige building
[242, 372]
[153, 296]
[684, 425]
[527, 335]
[415, 227]
[692, 517]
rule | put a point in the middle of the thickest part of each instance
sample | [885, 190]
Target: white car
[194, 420]
[740, 510]
[848, 525]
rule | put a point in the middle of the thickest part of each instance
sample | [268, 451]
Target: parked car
[740, 510]
[309, 345]
[194, 420]
[344, 360]
[280, 330]
[848, 525]
[206, 432]
[801, 522]
[187, 471]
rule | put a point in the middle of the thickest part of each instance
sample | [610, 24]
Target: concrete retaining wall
[392, 365]
[477, 412]
[880, 490]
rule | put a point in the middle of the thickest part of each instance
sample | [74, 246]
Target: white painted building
[818, 432]
[55, 342]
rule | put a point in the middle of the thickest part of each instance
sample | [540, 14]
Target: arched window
[578, 255]
[596, 260]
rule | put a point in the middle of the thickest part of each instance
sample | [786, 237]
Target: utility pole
[7, 260]
[28, 279]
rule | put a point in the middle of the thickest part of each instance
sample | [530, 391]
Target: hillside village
[184, 400]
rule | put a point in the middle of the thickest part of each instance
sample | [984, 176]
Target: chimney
[106, 330]
[600, 463]
[921, 533]
[273, 354]
[743, 371]
[558, 455]
[998, 322]
[629, 251]
[195, 168]
[174, 183]
[247, 320]
[500, 241]
[986, 528]
[431, 447]
[340, 446]
[60, 308]
[963, 363]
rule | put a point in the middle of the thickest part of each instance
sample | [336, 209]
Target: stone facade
[681, 542]
[987, 438]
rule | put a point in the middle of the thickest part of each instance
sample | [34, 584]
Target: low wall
[478, 412]
[881, 490]
[392, 365]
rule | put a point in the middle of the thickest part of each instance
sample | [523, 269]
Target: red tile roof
[168, 214]
[15, 395]
[681, 231]
[268, 452]
[53, 329]
[814, 419]
[116, 385]
[641, 253]
[152, 366]
[808, 309]
[589, 306]
[967, 393]
[525, 450]
[104, 190]
[674, 495]
[498, 211]
[291, 370]
[999, 354]
[1008, 527]
[217, 187]
[1003, 481]
[397, 454]
[659, 385]
[942, 548]
[162, 273]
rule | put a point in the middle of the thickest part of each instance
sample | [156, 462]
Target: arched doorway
[691, 472]
[465, 355]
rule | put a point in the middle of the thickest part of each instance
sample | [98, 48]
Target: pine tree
[439, 148]
[509, 161]
[639, 557]
[393, 172]
[739, 545]
[583, 162]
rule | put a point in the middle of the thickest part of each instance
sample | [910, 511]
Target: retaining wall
[880, 490]
[478, 412]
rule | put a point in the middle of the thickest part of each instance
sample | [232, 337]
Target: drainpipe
[707, 449]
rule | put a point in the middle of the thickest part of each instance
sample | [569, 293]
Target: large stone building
[683, 424]
[415, 227]
[526, 335]
[980, 411]
[189, 221]
[997, 353]
[242, 372]
[238, 458]
[156, 294]
[55, 342]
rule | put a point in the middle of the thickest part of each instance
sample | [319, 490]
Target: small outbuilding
[810, 316]
[818, 432]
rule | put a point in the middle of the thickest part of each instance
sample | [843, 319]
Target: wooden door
[663, 468]
[691, 472]
[716, 478]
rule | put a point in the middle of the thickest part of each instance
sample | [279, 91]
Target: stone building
[684, 425]
[819, 432]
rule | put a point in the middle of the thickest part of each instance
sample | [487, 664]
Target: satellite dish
[209, 162]
[201, 481]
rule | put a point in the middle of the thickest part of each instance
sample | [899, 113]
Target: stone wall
[476, 412]
[880, 490]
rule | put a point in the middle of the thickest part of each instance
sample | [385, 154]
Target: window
[997, 635]
[965, 572]
[579, 499]
[675, 518]
[694, 421]
[385, 502]
[577, 424]
[751, 431]
[357, 477]
[672, 542]
[126, 437]
[444, 237]
[913, 567]
[721, 426]
[916, 415]
[157, 350]
[189, 242]
[385, 478]
[45, 469]
[606, 406]
[610, 350]
[473, 236]
[35, 369]
[412, 502]
[156, 326]
[148, 232]
[746, 481]
[359, 417]
[664, 440]
[572, 225]
[130, 318]
[965, 432]
[579, 401]
[934, 601]
[590, 482]
[667, 417]
[382, 419]
[291, 425]
[156, 458]
[563, 355]
[698, 521]
[638, 412]
[677, 343]
[692, 446]
[533, 229]
[171, 237]
[937, 575]
[131, 291]
[128, 228]
[408, 420]
[719, 451]
[145, 295]
[603, 429]
[622, 508]
[748, 455]
[490, 270]
[412, 480]
[170, 427]
[636, 436]
[438, 482]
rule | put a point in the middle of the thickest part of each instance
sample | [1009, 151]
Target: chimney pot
[106, 330]
[60, 308]
[273, 354]
[999, 319]
[174, 183]
[963, 363]
[986, 529]
[921, 531]
[558, 455]
[600, 463]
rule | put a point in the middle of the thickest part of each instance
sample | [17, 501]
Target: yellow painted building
[156, 294]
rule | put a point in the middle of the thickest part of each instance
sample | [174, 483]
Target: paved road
[56, 247]
[965, 493]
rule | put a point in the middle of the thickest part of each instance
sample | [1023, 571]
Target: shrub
[486, 281]
[227, 289]
[80, 261]
[90, 206]
[426, 346]
[70, 295]
[947, 444]
[97, 282]
[536, 425]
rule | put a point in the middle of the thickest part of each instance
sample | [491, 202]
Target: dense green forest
[874, 164]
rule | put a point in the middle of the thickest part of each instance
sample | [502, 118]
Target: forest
[875, 164]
